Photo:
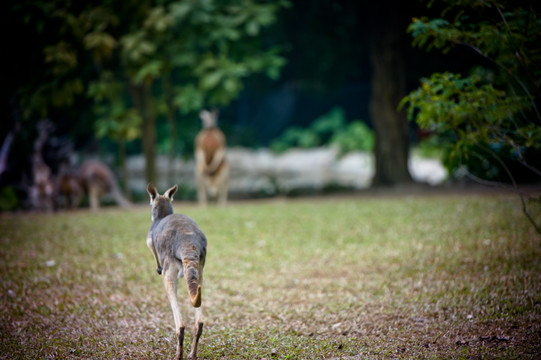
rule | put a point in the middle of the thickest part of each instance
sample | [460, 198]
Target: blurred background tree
[490, 116]
[148, 68]
[114, 118]
[388, 87]
[164, 59]
[194, 54]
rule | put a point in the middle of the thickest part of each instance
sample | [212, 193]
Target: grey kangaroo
[179, 247]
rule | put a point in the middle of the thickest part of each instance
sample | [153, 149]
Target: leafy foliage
[115, 119]
[186, 55]
[355, 136]
[493, 112]
[68, 41]
[328, 129]
[476, 114]
[492, 115]
[206, 48]
[162, 59]
[431, 147]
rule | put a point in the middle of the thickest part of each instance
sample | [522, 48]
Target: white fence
[261, 172]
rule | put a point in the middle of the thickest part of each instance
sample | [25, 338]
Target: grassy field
[455, 277]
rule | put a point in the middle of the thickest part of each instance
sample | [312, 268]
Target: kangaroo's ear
[169, 193]
[204, 115]
[152, 192]
[208, 118]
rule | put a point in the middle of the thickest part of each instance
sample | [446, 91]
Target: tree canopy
[137, 61]
[490, 116]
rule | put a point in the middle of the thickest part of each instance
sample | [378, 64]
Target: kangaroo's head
[161, 204]
[209, 119]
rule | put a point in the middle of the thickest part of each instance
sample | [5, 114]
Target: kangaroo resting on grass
[97, 180]
[179, 248]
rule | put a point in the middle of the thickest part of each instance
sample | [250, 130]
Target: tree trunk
[123, 167]
[149, 134]
[142, 98]
[173, 137]
[388, 88]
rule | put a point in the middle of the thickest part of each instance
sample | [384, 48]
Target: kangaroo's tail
[117, 195]
[121, 200]
[191, 274]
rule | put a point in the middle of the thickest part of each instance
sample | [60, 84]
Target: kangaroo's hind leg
[223, 185]
[201, 185]
[198, 326]
[94, 197]
[198, 330]
[170, 281]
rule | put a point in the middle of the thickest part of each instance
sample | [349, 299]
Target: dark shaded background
[327, 47]
[325, 42]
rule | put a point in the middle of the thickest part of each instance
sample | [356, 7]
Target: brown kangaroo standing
[211, 166]
[179, 248]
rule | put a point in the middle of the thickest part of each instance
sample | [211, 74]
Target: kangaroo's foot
[197, 334]
[180, 339]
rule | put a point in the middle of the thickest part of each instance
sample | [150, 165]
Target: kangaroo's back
[178, 236]
[97, 179]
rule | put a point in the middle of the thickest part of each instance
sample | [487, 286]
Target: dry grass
[364, 278]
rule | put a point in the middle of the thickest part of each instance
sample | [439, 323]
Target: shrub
[356, 136]
[328, 129]
[8, 199]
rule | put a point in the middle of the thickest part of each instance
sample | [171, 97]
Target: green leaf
[210, 80]
[188, 98]
[150, 71]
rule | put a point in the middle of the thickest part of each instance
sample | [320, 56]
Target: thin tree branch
[521, 111]
[522, 85]
[522, 161]
[503, 19]
[515, 187]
